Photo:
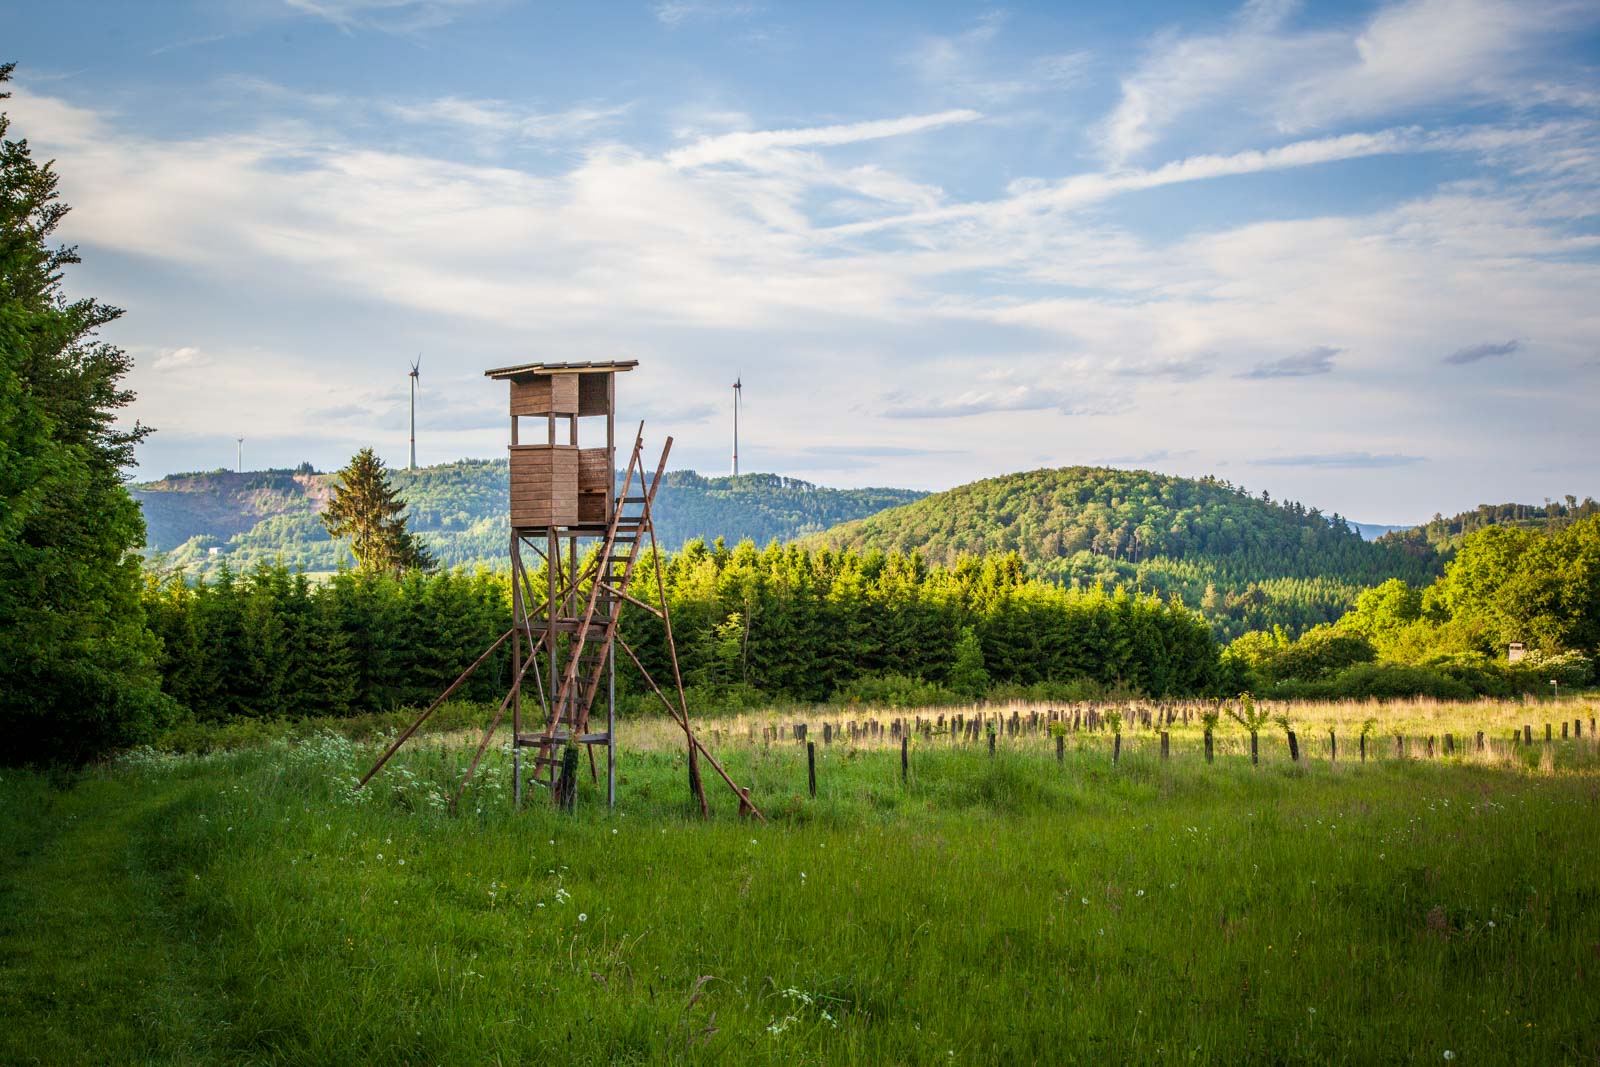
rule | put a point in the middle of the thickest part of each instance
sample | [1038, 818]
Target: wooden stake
[811, 767]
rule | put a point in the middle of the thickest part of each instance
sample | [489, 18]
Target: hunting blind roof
[529, 370]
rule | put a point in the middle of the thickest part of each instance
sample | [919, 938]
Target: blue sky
[1343, 253]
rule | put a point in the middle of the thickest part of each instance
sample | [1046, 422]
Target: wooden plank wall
[544, 486]
[552, 394]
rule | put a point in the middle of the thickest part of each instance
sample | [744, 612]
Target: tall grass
[250, 907]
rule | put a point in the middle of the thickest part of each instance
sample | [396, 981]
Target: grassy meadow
[247, 906]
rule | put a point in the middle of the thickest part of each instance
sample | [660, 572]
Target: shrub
[889, 689]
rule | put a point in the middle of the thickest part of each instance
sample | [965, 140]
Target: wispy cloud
[1084, 189]
[741, 146]
[1182, 73]
[960, 66]
[500, 118]
[1476, 353]
[989, 400]
[674, 12]
[1177, 369]
[1159, 455]
[402, 16]
[1406, 55]
[1342, 460]
[1317, 360]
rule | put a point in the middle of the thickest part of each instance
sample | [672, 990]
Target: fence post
[1527, 733]
[1166, 747]
[905, 757]
[1116, 749]
[991, 742]
[1061, 748]
[1399, 747]
[1480, 740]
[811, 767]
[1294, 748]
[1547, 732]
[1363, 748]
[1333, 747]
[1210, 755]
[1255, 747]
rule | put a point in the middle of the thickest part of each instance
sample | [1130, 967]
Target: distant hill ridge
[460, 510]
[1245, 561]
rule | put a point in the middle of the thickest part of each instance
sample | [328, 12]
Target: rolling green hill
[1246, 562]
[460, 511]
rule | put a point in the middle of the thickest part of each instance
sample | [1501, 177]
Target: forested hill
[460, 511]
[1247, 562]
[1446, 534]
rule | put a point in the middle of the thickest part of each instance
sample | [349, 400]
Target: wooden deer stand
[565, 633]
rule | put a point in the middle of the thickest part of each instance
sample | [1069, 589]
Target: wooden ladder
[612, 573]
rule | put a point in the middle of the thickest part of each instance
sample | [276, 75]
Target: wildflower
[1141, 892]
[1174, 885]
[1449, 1055]
[752, 840]
[583, 917]
[402, 863]
[613, 829]
[380, 855]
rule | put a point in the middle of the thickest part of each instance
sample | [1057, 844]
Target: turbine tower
[416, 371]
[241, 454]
[738, 391]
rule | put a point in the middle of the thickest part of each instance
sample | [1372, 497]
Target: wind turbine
[416, 372]
[241, 454]
[738, 391]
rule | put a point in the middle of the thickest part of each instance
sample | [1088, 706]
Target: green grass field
[247, 907]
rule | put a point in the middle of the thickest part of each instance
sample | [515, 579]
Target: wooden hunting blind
[564, 491]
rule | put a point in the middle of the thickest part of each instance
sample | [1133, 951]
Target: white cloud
[170, 359]
[1409, 54]
[1419, 52]
[1181, 74]
[696, 268]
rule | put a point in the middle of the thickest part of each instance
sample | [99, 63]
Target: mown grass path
[248, 909]
[93, 965]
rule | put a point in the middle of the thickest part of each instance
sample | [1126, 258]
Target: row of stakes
[971, 728]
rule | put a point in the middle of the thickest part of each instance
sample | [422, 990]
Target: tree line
[751, 626]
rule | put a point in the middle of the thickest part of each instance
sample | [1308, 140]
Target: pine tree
[367, 509]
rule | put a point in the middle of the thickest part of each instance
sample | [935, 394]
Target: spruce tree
[367, 509]
[78, 664]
